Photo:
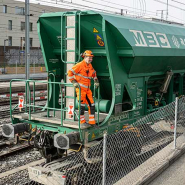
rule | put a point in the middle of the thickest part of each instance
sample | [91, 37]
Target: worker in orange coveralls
[80, 75]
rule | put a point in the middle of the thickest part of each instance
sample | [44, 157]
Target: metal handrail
[98, 110]
[94, 93]
[62, 109]
[34, 96]
[79, 35]
[62, 37]
[47, 107]
[53, 93]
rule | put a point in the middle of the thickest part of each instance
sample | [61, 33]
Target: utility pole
[27, 44]
[162, 14]
[4, 54]
[27, 40]
[167, 10]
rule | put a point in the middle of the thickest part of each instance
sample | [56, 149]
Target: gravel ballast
[18, 159]
[18, 178]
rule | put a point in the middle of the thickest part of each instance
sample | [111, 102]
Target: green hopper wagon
[140, 66]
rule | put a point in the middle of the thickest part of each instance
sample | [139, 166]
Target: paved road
[174, 175]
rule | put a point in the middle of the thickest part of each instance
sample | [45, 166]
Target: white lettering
[182, 41]
[152, 39]
[164, 40]
[139, 38]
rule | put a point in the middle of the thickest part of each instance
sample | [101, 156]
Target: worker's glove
[96, 83]
[75, 84]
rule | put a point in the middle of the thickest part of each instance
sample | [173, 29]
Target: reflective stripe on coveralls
[87, 96]
[84, 76]
[82, 119]
[83, 73]
[83, 85]
[91, 119]
[73, 71]
[72, 77]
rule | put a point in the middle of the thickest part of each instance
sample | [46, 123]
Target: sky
[134, 8]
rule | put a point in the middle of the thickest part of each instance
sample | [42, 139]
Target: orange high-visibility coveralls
[83, 73]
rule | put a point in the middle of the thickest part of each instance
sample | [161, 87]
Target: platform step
[69, 38]
[71, 97]
[70, 27]
[70, 50]
[70, 62]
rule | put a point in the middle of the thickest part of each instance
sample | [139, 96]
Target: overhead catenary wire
[151, 13]
[22, 18]
[60, 4]
[178, 2]
[114, 7]
[141, 6]
[183, 13]
[43, 7]
[118, 4]
[162, 2]
[31, 10]
[76, 5]
[80, 6]
[21, 7]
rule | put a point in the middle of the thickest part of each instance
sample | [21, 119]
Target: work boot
[91, 119]
[82, 119]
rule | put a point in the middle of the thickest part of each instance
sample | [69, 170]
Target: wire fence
[123, 157]
[13, 61]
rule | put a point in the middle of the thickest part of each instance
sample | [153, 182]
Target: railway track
[14, 149]
[6, 112]
[5, 141]
[20, 170]
[138, 160]
[5, 98]
[8, 146]
[32, 183]
[145, 154]
[7, 102]
[64, 166]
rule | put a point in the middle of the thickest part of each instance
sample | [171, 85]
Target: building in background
[12, 22]
[12, 33]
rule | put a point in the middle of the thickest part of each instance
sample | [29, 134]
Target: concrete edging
[155, 165]
[169, 161]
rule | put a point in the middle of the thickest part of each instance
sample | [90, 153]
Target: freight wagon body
[140, 66]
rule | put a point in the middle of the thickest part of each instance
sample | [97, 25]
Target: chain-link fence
[12, 61]
[123, 157]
